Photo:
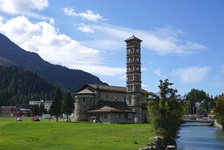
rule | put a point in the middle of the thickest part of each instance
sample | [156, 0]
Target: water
[196, 136]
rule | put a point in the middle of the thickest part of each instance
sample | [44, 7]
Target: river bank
[218, 125]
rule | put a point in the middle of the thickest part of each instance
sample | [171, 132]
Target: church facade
[114, 104]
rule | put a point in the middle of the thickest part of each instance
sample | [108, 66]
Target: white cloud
[44, 39]
[102, 70]
[161, 41]
[122, 77]
[104, 44]
[85, 28]
[192, 74]
[158, 73]
[20, 7]
[144, 86]
[51, 20]
[88, 15]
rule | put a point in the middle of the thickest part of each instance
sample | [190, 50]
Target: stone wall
[82, 103]
[112, 118]
[218, 125]
[110, 96]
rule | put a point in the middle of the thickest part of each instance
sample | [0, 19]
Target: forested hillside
[18, 86]
[69, 79]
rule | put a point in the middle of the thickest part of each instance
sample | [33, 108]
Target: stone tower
[84, 100]
[133, 76]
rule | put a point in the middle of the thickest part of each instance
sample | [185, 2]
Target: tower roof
[133, 38]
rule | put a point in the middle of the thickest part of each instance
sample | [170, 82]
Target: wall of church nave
[111, 118]
[111, 96]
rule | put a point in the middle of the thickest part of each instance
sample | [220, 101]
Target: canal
[196, 136]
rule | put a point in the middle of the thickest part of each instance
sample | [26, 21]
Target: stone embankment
[158, 143]
[218, 125]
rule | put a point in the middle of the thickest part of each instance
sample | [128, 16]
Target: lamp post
[135, 120]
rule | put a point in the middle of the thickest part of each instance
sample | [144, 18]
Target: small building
[10, 111]
[110, 112]
[47, 104]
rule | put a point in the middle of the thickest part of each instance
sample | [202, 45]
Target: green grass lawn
[49, 135]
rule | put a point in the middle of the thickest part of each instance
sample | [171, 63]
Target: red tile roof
[110, 107]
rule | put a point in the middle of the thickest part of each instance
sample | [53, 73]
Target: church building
[114, 104]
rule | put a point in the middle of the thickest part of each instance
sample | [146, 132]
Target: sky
[181, 40]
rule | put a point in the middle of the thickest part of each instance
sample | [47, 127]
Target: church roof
[133, 38]
[91, 88]
[85, 91]
[110, 107]
[108, 88]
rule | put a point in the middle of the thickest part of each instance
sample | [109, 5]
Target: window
[118, 116]
[126, 116]
[129, 100]
[115, 98]
[131, 88]
[105, 115]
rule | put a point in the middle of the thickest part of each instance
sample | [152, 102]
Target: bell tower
[133, 75]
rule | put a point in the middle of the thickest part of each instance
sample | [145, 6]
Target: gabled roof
[110, 107]
[85, 91]
[91, 88]
[108, 88]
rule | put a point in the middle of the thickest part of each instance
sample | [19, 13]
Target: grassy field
[49, 135]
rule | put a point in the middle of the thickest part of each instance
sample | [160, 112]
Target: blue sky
[182, 40]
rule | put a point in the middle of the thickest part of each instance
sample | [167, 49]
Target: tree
[41, 110]
[68, 104]
[165, 112]
[35, 110]
[219, 110]
[17, 85]
[56, 105]
[197, 96]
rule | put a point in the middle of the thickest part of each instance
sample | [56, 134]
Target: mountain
[68, 79]
[18, 86]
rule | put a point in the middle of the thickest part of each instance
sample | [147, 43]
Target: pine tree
[35, 110]
[41, 110]
[68, 104]
[56, 105]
